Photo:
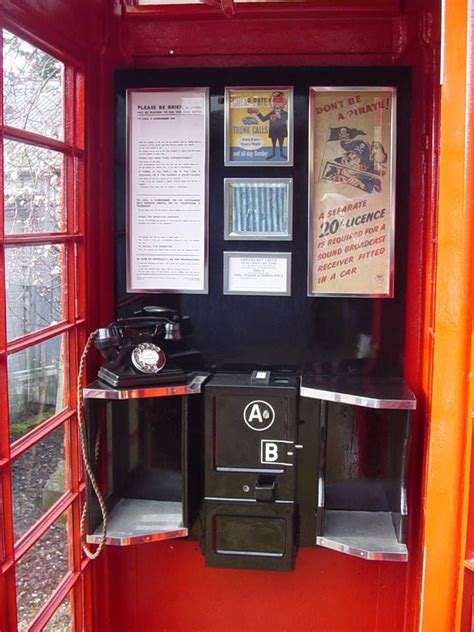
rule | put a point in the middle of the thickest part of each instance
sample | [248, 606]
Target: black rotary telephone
[148, 348]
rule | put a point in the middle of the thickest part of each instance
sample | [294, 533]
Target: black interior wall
[322, 333]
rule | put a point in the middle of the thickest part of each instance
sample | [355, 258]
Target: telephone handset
[140, 350]
[148, 348]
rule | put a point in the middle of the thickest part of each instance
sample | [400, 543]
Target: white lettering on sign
[271, 452]
[276, 452]
[259, 415]
[256, 413]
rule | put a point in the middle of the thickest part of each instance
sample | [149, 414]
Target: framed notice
[351, 191]
[259, 127]
[258, 273]
[167, 183]
[258, 209]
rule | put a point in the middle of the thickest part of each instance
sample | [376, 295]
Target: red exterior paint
[467, 605]
[449, 431]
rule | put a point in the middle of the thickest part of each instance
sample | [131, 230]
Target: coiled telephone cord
[92, 555]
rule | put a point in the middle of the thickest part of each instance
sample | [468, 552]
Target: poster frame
[312, 188]
[129, 140]
[230, 234]
[227, 122]
[256, 255]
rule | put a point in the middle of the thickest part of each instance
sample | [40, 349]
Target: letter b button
[276, 452]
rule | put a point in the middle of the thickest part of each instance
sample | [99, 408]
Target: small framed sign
[257, 273]
[258, 209]
[259, 126]
[351, 191]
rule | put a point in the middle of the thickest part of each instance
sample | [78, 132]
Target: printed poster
[258, 273]
[352, 191]
[167, 218]
[259, 126]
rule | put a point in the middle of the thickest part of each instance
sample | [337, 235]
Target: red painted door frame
[50, 27]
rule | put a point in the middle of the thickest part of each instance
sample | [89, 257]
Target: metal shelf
[366, 534]
[100, 390]
[135, 521]
[469, 564]
[381, 393]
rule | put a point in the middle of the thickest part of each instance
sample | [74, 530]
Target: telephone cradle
[146, 349]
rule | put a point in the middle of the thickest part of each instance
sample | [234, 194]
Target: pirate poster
[259, 127]
[352, 191]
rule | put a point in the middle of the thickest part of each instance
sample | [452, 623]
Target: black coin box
[250, 439]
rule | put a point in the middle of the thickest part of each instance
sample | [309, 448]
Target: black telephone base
[120, 380]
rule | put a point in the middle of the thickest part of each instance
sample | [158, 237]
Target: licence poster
[259, 126]
[352, 191]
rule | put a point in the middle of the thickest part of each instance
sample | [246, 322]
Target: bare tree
[34, 203]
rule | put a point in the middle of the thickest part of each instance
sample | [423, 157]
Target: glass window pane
[33, 189]
[38, 481]
[36, 384]
[61, 619]
[33, 88]
[41, 570]
[34, 287]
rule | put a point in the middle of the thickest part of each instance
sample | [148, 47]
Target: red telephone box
[424, 50]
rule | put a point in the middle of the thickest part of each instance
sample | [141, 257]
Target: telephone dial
[147, 348]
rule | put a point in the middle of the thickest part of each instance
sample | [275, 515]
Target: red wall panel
[73, 27]
[262, 36]
[166, 587]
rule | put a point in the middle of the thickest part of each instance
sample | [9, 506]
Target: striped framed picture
[259, 209]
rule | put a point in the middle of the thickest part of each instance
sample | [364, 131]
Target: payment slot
[251, 451]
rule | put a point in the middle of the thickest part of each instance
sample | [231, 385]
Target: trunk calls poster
[259, 126]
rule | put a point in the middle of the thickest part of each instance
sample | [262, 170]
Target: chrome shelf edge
[356, 400]
[135, 521]
[97, 390]
[369, 535]
[385, 556]
[96, 537]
